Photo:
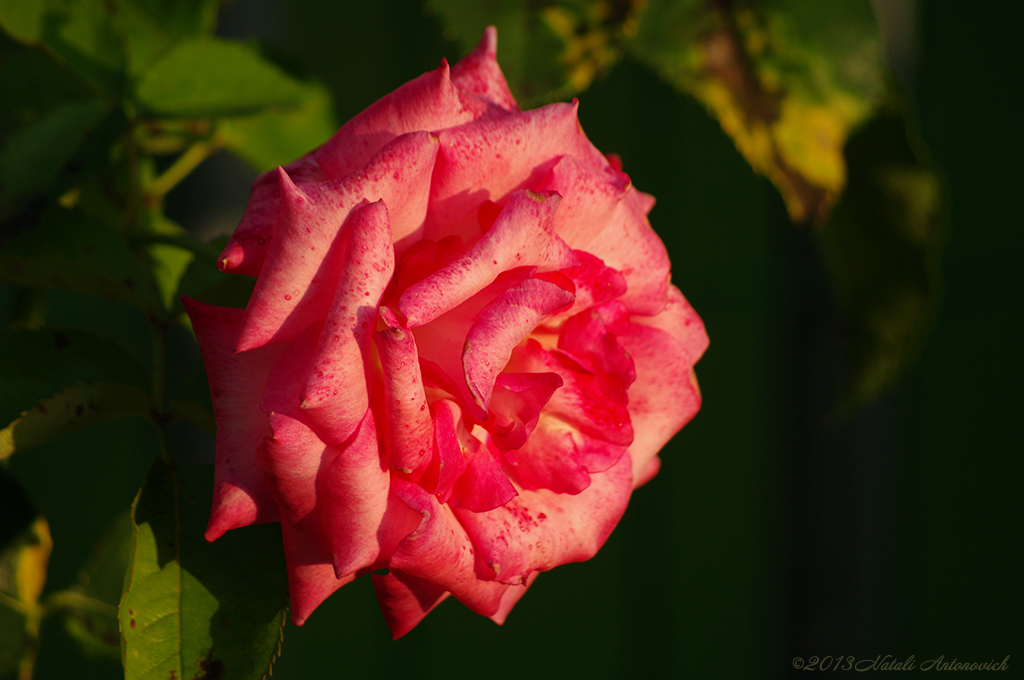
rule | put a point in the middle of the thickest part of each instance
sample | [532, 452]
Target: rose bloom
[461, 355]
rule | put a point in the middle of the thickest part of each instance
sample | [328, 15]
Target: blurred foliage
[110, 104]
[882, 245]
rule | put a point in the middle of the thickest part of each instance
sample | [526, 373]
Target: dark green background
[771, 531]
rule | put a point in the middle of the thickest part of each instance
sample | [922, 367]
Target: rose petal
[311, 577]
[648, 473]
[501, 326]
[405, 599]
[489, 159]
[681, 322]
[478, 72]
[598, 215]
[430, 102]
[291, 458]
[509, 599]
[352, 495]
[515, 406]
[306, 257]
[335, 395]
[595, 282]
[408, 431]
[521, 236]
[644, 201]
[287, 377]
[549, 459]
[586, 401]
[440, 551]
[539, 530]
[586, 337]
[665, 395]
[240, 494]
[440, 342]
[484, 485]
[247, 248]
[559, 457]
[423, 259]
[451, 464]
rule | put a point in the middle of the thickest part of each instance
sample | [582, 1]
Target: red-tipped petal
[430, 102]
[539, 530]
[311, 577]
[560, 458]
[594, 404]
[484, 485]
[478, 72]
[516, 403]
[521, 236]
[599, 216]
[587, 338]
[489, 159]
[304, 263]
[509, 599]
[240, 494]
[550, 459]
[501, 326]
[409, 431]
[405, 600]
[665, 395]
[451, 462]
[595, 282]
[247, 248]
[353, 497]
[439, 551]
[292, 457]
[335, 394]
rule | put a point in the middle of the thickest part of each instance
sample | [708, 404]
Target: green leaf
[75, 251]
[33, 85]
[275, 137]
[192, 607]
[90, 607]
[153, 27]
[31, 157]
[75, 407]
[81, 35]
[208, 78]
[36, 364]
[787, 79]
[882, 246]
[84, 35]
[178, 18]
[23, 563]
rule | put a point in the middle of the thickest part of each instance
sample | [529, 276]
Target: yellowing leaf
[23, 564]
[788, 80]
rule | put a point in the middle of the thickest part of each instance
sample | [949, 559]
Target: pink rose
[462, 354]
